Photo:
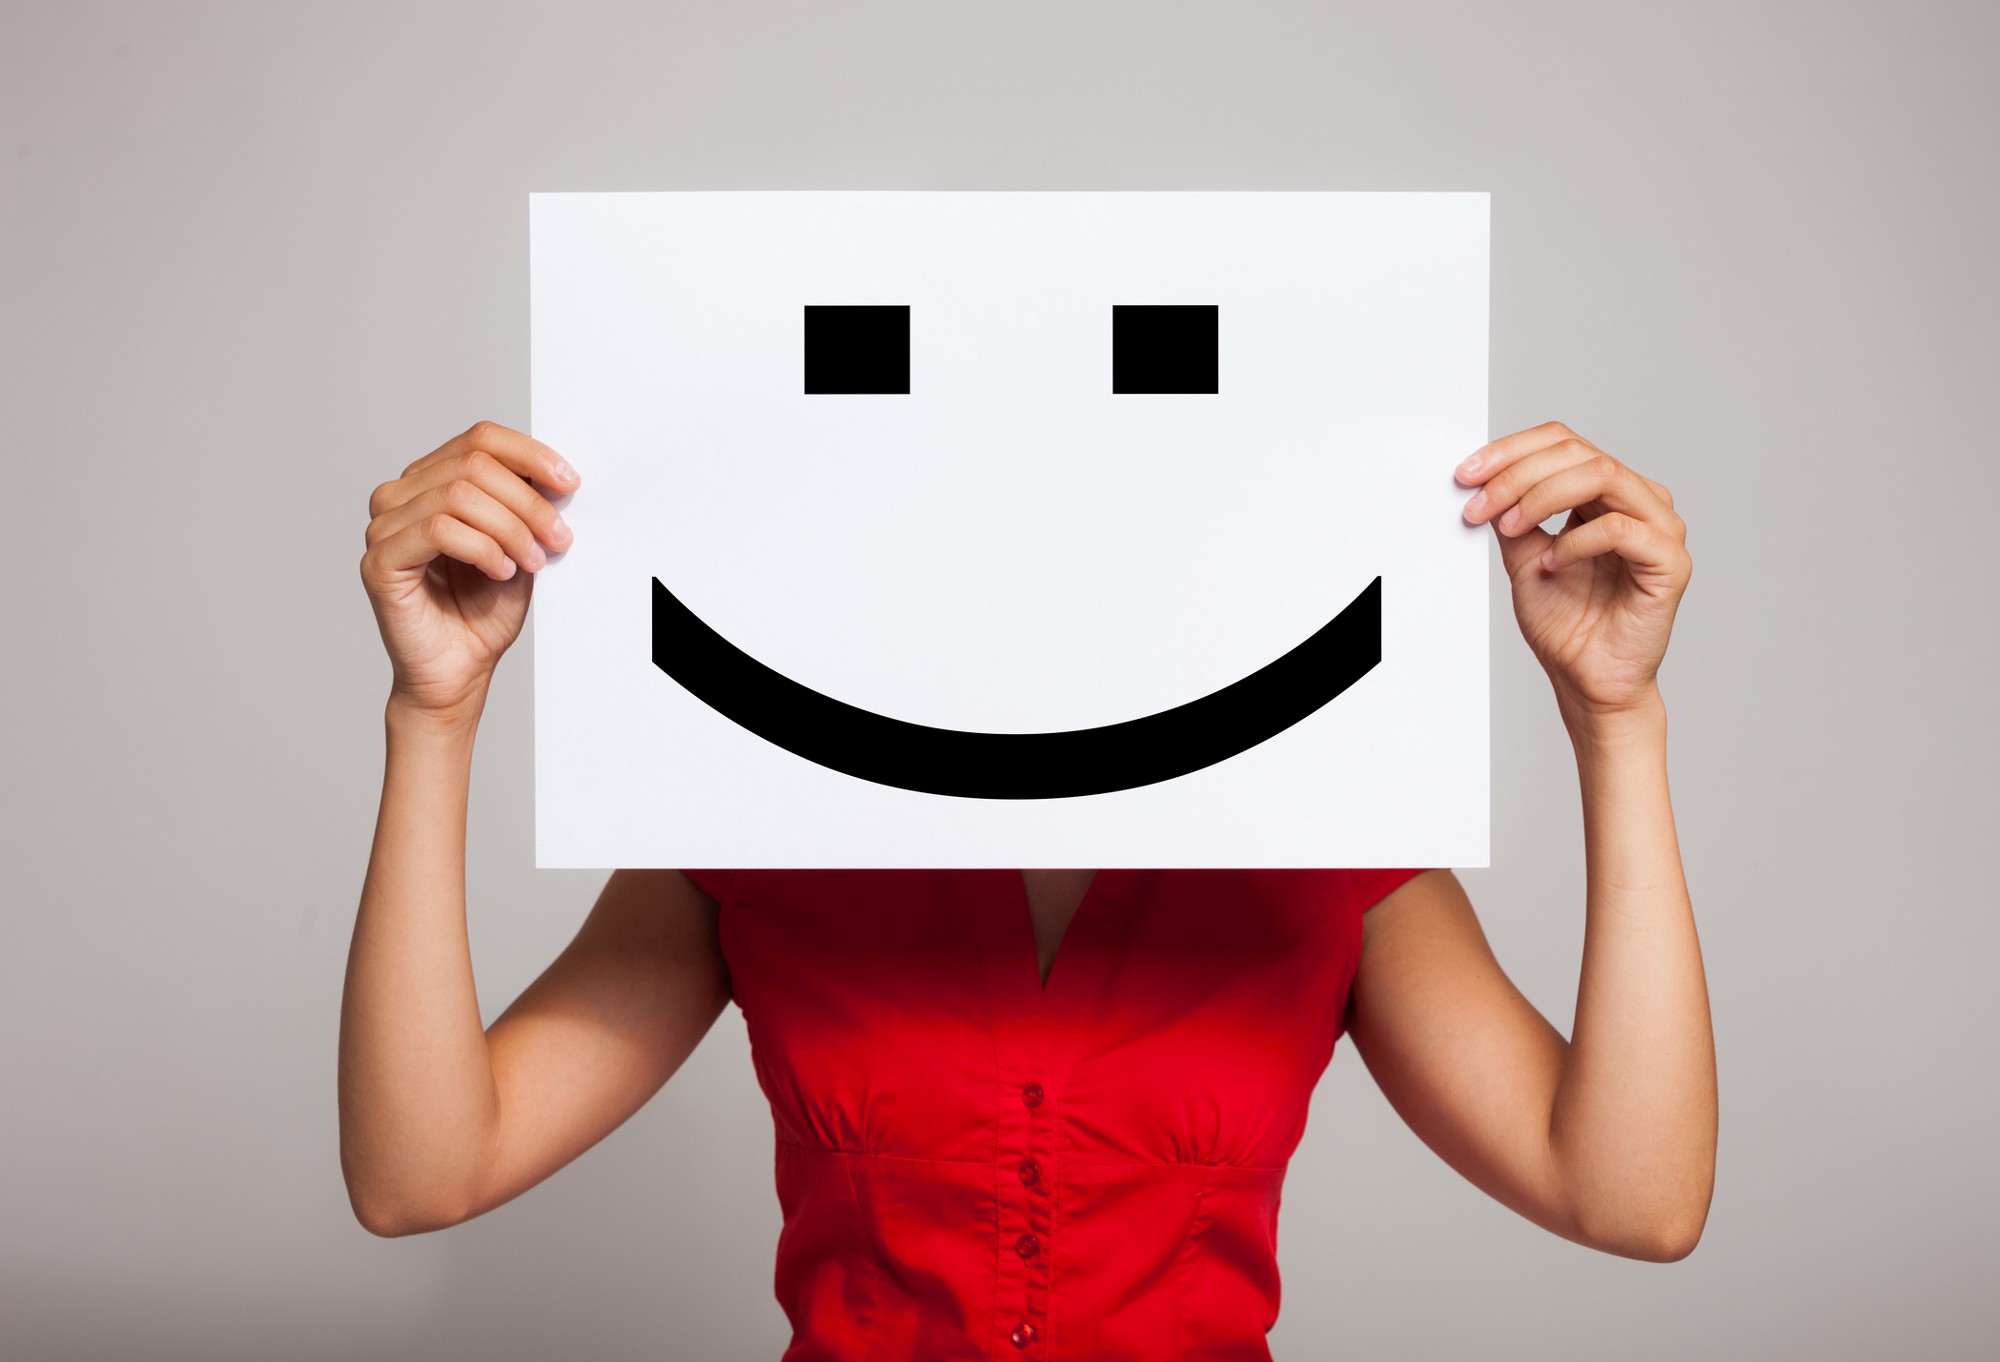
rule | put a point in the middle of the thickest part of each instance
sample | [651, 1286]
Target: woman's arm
[1638, 1090]
[1609, 1138]
[439, 1120]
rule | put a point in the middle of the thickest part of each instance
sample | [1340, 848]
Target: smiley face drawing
[1155, 349]
[952, 525]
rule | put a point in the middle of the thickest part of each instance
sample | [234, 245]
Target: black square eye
[857, 349]
[1164, 349]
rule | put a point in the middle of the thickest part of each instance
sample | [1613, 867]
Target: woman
[976, 1163]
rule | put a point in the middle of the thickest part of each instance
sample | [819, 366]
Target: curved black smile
[1084, 761]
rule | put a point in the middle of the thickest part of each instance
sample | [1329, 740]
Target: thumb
[1520, 551]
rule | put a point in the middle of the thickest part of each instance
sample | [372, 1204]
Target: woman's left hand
[1595, 601]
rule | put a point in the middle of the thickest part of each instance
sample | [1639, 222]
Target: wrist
[459, 720]
[1643, 720]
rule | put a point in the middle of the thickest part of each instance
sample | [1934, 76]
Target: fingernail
[1512, 519]
[1477, 504]
[560, 529]
[1549, 557]
[537, 559]
[1471, 464]
[565, 472]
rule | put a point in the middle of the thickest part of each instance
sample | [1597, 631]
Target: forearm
[417, 1097]
[1633, 1124]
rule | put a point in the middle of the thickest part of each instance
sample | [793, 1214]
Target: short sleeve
[1372, 886]
[714, 883]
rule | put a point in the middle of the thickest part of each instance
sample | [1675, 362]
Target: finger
[1495, 455]
[523, 454]
[1504, 488]
[1647, 548]
[466, 500]
[481, 472]
[437, 535]
[1521, 550]
[1600, 478]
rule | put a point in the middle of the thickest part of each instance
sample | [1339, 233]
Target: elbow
[1662, 1236]
[1669, 1241]
[390, 1217]
[389, 1208]
[1653, 1210]
[381, 1220]
[384, 1220]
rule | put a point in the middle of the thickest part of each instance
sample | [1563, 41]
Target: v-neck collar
[1083, 957]
[1028, 907]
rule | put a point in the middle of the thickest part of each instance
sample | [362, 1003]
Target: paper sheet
[986, 619]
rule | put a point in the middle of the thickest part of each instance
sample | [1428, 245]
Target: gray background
[258, 257]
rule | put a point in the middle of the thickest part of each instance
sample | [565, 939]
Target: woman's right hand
[453, 545]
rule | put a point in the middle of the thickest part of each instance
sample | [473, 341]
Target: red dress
[973, 1166]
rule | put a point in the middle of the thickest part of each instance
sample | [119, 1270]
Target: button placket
[1027, 1246]
[1033, 1032]
[1022, 1033]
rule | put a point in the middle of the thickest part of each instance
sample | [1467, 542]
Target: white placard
[876, 590]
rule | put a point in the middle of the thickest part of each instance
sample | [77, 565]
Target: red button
[1031, 1172]
[1027, 1246]
[1031, 1096]
[1023, 1335]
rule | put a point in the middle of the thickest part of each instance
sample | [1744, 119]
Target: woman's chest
[1186, 1018]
